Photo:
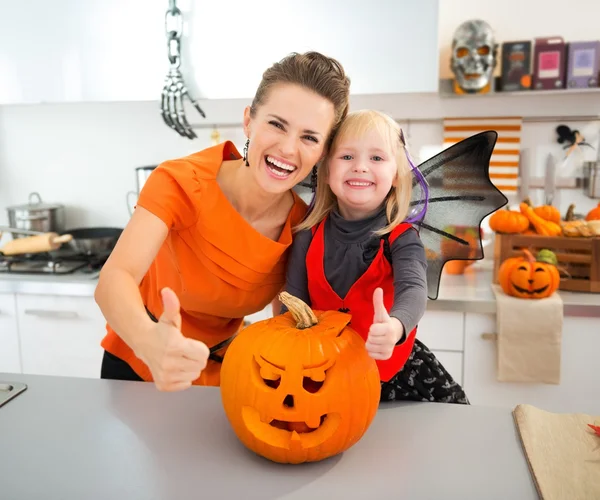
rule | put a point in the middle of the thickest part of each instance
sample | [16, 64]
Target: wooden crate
[579, 256]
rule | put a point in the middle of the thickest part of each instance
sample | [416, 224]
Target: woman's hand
[385, 331]
[174, 360]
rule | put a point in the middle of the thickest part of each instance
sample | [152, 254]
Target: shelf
[566, 105]
[447, 93]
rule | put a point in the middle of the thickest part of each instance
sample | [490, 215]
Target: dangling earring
[313, 179]
[246, 152]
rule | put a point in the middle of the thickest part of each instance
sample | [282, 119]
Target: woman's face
[287, 136]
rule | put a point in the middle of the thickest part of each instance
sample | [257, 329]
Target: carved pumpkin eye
[311, 385]
[268, 373]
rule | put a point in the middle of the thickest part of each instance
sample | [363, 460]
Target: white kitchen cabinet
[70, 51]
[60, 335]
[10, 357]
[578, 391]
[385, 46]
[442, 330]
[116, 50]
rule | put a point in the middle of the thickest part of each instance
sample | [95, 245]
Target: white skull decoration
[473, 55]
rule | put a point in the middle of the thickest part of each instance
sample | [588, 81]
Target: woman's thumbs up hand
[174, 360]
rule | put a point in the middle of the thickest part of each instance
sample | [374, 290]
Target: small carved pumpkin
[299, 387]
[526, 278]
[508, 221]
[594, 213]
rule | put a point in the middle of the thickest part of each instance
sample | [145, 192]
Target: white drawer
[10, 357]
[442, 330]
[60, 335]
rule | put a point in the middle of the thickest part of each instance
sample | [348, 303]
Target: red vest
[359, 300]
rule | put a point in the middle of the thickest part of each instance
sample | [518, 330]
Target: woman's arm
[174, 360]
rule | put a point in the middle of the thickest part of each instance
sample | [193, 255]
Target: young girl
[355, 252]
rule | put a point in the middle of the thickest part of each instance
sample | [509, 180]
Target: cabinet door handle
[489, 336]
[42, 313]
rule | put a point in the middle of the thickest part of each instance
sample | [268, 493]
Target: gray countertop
[68, 438]
[470, 292]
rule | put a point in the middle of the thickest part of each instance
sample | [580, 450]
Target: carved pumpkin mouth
[530, 292]
[290, 434]
[299, 427]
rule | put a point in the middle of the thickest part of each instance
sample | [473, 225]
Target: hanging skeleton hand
[174, 90]
[173, 112]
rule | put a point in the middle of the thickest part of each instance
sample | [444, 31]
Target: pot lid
[36, 203]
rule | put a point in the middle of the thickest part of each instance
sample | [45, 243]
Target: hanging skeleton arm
[174, 90]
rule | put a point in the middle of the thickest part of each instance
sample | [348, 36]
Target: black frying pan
[94, 240]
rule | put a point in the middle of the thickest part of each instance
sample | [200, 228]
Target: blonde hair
[313, 71]
[397, 201]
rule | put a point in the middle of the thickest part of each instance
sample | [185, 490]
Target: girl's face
[362, 170]
[287, 136]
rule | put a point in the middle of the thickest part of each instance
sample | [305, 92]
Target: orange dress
[219, 266]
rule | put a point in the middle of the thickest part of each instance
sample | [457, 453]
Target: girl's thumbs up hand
[385, 331]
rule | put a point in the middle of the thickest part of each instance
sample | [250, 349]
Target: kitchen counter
[69, 438]
[470, 292]
[81, 285]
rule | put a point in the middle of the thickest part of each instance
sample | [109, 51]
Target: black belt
[213, 349]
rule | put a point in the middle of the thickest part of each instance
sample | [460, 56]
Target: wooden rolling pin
[35, 244]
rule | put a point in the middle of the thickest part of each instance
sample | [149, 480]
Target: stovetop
[59, 262]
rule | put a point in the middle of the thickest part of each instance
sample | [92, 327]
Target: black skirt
[423, 378]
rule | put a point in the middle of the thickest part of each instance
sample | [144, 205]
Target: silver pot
[36, 216]
[141, 176]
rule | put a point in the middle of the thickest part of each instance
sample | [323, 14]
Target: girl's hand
[385, 331]
[174, 360]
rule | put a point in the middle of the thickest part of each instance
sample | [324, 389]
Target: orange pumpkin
[299, 387]
[594, 213]
[457, 250]
[541, 226]
[508, 221]
[528, 278]
[548, 212]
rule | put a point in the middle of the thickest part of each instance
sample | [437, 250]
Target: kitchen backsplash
[84, 155]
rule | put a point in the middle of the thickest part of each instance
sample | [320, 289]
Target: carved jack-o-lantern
[526, 278]
[299, 387]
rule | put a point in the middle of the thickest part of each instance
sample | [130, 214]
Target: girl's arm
[410, 280]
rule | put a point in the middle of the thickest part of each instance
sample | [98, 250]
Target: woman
[209, 239]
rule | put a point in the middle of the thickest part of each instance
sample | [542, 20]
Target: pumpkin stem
[527, 201]
[529, 255]
[302, 313]
[570, 215]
